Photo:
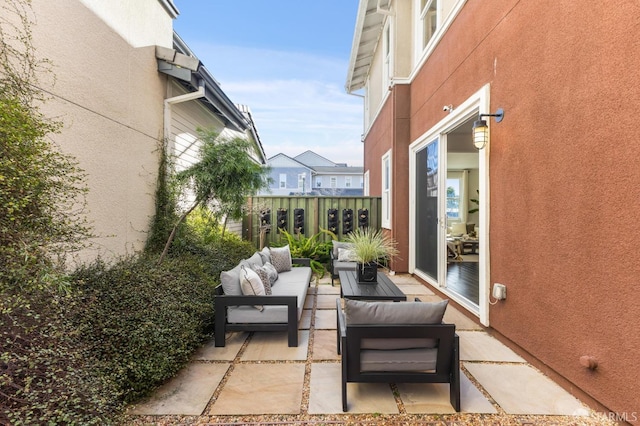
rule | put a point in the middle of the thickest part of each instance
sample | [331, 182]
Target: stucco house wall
[109, 95]
[562, 173]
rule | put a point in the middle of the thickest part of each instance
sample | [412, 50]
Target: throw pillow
[281, 258]
[265, 255]
[251, 284]
[264, 277]
[255, 259]
[338, 245]
[273, 273]
[346, 255]
[231, 281]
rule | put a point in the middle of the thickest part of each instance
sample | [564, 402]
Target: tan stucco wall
[109, 96]
[563, 176]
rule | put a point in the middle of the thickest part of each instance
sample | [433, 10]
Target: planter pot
[367, 273]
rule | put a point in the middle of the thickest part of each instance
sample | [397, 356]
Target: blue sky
[287, 60]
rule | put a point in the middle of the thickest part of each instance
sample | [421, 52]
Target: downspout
[177, 100]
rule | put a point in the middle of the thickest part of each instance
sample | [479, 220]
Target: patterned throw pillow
[273, 273]
[281, 258]
[263, 273]
[346, 255]
[251, 284]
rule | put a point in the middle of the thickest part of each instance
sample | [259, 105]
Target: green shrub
[142, 322]
[46, 369]
[308, 247]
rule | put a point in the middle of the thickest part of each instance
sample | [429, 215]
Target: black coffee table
[385, 289]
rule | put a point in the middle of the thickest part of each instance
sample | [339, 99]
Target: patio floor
[258, 379]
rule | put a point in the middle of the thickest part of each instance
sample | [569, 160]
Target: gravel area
[373, 419]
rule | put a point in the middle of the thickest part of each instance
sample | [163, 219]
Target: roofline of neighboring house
[290, 158]
[368, 20]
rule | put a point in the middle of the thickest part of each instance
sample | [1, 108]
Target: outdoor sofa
[240, 305]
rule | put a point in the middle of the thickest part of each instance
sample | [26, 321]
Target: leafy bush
[46, 369]
[309, 247]
[142, 322]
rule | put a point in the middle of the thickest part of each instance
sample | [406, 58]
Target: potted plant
[370, 247]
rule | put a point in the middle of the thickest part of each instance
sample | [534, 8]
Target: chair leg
[454, 380]
[344, 382]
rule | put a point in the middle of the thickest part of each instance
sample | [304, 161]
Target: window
[283, 180]
[457, 196]
[428, 19]
[386, 190]
[347, 182]
[333, 182]
[453, 199]
[387, 68]
[431, 20]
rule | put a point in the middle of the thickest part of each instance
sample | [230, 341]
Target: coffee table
[385, 289]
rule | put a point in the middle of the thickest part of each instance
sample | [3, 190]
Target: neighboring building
[125, 82]
[312, 174]
[556, 182]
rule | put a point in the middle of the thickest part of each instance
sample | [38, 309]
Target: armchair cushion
[385, 313]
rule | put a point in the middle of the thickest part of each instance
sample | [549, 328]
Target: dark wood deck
[463, 278]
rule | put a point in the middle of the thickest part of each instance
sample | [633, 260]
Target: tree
[222, 180]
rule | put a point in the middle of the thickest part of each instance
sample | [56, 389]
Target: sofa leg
[219, 332]
[293, 339]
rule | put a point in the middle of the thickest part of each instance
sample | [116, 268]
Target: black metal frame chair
[447, 369]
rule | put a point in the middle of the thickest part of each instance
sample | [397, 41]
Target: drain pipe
[177, 100]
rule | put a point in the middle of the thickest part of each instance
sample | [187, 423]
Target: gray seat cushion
[422, 359]
[290, 283]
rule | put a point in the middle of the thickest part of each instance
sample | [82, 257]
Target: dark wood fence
[338, 214]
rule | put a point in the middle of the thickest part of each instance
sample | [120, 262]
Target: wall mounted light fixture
[481, 129]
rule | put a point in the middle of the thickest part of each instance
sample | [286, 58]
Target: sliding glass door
[426, 204]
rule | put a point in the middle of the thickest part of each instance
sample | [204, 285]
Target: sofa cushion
[340, 245]
[372, 313]
[251, 284]
[346, 255]
[292, 283]
[281, 258]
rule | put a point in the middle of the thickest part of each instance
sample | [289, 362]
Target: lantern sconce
[481, 129]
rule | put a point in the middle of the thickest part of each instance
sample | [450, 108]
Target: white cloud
[297, 99]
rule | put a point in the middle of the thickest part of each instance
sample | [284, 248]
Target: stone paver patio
[257, 378]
